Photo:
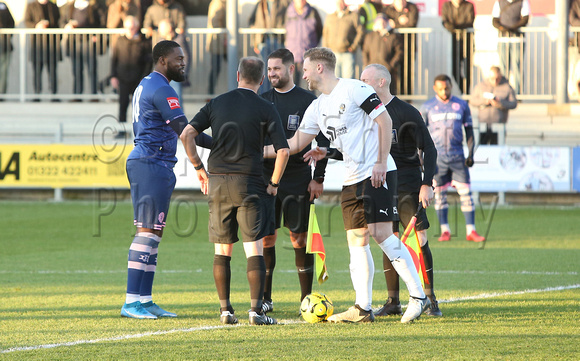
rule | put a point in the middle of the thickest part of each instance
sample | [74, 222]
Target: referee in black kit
[298, 187]
[239, 120]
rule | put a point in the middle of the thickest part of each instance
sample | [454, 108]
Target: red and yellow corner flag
[314, 245]
[411, 241]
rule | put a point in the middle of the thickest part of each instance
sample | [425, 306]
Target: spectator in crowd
[44, 49]
[303, 32]
[574, 18]
[144, 6]
[494, 98]
[368, 12]
[508, 17]
[163, 9]
[166, 31]
[343, 33]
[118, 10]
[83, 49]
[268, 14]
[6, 22]
[382, 46]
[405, 14]
[458, 15]
[130, 62]
[216, 43]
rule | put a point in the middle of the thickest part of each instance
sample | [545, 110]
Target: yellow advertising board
[63, 166]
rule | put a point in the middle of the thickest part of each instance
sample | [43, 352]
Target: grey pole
[232, 25]
[562, 52]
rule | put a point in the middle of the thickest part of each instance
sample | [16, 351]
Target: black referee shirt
[291, 107]
[409, 134]
[239, 120]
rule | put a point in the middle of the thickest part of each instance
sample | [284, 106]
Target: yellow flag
[314, 245]
[411, 241]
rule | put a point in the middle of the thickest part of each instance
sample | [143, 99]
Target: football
[316, 307]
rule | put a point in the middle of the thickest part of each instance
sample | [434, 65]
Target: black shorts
[236, 202]
[292, 201]
[407, 206]
[363, 204]
[294, 207]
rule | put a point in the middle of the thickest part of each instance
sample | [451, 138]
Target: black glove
[469, 162]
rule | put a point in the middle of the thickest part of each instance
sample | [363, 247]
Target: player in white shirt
[351, 115]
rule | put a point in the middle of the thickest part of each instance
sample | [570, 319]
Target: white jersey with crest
[346, 117]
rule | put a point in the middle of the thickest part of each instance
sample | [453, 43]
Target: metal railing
[429, 52]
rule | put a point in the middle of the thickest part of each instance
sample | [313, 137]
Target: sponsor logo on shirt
[173, 103]
[333, 132]
[444, 116]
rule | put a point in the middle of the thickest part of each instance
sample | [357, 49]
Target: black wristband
[275, 185]
[319, 180]
[200, 166]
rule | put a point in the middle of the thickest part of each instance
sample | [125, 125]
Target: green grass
[63, 274]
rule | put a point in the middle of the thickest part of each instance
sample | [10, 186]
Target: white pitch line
[128, 337]
[199, 270]
[282, 322]
[498, 294]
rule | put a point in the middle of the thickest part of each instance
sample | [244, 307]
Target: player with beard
[352, 116]
[158, 120]
[446, 116]
[298, 188]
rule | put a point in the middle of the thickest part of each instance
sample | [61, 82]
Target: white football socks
[403, 264]
[362, 271]
[469, 228]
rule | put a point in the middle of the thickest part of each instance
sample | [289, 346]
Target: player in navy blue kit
[446, 116]
[157, 121]
[298, 188]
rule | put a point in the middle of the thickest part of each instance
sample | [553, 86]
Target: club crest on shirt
[161, 217]
[395, 137]
[455, 106]
[341, 109]
[293, 122]
[173, 103]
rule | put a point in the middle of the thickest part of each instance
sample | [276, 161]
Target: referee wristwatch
[275, 185]
[319, 180]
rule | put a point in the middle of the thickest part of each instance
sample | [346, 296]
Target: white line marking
[282, 322]
[199, 270]
[498, 294]
[137, 335]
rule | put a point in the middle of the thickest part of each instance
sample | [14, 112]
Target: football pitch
[63, 274]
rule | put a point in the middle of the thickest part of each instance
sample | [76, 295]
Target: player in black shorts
[297, 188]
[409, 134]
[353, 118]
[239, 120]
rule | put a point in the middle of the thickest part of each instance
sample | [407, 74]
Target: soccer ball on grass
[316, 307]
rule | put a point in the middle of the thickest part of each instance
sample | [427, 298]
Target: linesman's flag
[411, 241]
[314, 245]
